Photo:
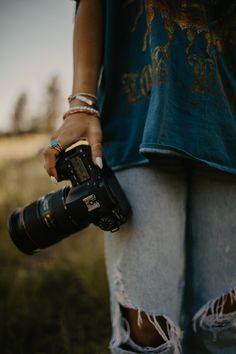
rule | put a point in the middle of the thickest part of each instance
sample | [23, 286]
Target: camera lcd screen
[80, 169]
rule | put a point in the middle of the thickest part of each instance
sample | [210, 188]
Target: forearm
[87, 57]
[87, 46]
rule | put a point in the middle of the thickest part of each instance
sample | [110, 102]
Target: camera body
[94, 197]
[96, 194]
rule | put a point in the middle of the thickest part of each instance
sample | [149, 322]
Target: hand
[75, 127]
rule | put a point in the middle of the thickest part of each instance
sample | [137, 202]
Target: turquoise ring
[55, 145]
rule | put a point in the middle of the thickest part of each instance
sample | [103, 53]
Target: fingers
[97, 154]
[50, 161]
[95, 141]
[65, 139]
[73, 129]
[66, 135]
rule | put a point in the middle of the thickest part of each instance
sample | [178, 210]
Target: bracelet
[85, 108]
[82, 99]
[81, 109]
[83, 96]
[85, 100]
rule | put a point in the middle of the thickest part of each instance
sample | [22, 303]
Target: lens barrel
[94, 197]
[42, 223]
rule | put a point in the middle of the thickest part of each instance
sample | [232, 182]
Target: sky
[35, 44]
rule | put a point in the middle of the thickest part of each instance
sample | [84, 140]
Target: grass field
[56, 301]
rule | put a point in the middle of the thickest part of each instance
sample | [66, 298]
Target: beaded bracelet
[85, 108]
[81, 109]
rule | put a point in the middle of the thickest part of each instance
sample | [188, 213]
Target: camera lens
[42, 223]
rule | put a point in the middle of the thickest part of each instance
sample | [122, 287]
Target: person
[163, 76]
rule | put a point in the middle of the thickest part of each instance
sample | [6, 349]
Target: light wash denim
[176, 257]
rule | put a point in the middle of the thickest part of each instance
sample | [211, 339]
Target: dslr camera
[95, 196]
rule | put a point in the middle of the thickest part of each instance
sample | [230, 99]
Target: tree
[19, 112]
[53, 108]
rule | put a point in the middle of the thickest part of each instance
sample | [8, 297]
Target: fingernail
[53, 179]
[99, 162]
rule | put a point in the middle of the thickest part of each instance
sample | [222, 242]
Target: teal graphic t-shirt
[169, 81]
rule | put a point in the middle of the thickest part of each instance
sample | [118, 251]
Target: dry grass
[15, 148]
[55, 302]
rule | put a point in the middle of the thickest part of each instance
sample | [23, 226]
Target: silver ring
[54, 144]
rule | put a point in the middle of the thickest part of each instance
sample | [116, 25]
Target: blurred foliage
[56, 301]
[44, 118]
[19, 112]
[53, 107]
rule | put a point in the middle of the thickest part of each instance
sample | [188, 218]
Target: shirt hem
[167, 149]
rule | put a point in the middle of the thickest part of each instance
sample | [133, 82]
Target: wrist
[86, 81]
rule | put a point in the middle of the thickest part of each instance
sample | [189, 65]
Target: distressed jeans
[175, 257]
